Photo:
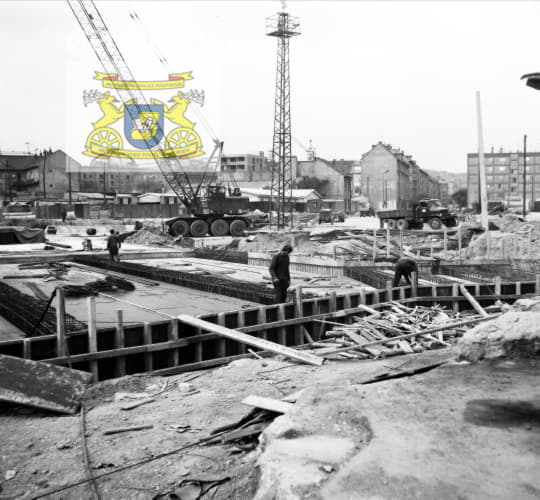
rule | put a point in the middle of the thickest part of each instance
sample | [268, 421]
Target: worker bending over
[405, 267]
[279, 272]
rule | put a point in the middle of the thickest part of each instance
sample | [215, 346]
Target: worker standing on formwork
[113, 245]
[405, 267]
[279, 271]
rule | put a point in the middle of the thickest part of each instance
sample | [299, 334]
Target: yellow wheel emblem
[182, 137]
[104, 137]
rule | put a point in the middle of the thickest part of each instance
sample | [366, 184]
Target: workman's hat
[287, 248]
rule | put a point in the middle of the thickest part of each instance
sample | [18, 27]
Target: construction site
[151, 358]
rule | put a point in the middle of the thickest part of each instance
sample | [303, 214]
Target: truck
[430, 211]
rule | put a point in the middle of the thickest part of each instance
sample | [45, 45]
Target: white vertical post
[60, 323]
[374, 245]
[481, 164]
[445, 242]
[92, 334]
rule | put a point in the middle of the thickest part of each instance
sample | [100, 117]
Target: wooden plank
[92, 335]
[41, 385]
[60, 322]
[119, 343]
[147, 338]
[253, 341]
[299, 312]
[117, 430]
[476, 306]
[240, 323]
[172, 334]
[282, 332]
[274, 405]
[448, 326]
[221, 346]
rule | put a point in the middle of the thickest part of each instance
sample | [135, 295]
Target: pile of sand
[515, 334]
[150, 236]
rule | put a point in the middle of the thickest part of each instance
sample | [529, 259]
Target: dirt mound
[515, 334]
[150, 236]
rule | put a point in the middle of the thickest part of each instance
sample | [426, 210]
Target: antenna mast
[282, 26]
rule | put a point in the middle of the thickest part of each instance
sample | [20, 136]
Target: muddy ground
[458, 431]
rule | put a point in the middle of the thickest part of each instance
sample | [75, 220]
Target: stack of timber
[396, 330]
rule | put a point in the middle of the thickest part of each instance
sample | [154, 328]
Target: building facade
[333, 180]
[26, 177]
[390, 179]
[246, 167]
[504, 179]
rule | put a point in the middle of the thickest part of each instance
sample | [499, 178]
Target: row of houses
[384, 178]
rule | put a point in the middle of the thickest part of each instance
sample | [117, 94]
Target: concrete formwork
[172, 346]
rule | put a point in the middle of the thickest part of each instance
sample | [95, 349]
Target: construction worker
[113, 245]
[405, 267]
[279, 271]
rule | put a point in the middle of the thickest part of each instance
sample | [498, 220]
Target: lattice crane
[112, 61]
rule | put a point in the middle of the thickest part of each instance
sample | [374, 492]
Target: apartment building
[504, 178]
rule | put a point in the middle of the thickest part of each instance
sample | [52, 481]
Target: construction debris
[110, 283]
[41, 385]
[398, 330]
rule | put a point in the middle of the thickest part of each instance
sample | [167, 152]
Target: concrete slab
[167, 299]
[256, 274]
[41, 385]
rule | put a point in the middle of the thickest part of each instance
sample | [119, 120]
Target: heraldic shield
[143, 124]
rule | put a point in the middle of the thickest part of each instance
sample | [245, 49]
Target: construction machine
[211, 208]
[430, 211]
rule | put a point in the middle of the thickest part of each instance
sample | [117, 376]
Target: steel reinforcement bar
[244, 290]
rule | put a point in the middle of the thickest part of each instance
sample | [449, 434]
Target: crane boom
[113, 62]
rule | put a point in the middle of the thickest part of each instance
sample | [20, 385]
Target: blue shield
[143, 124]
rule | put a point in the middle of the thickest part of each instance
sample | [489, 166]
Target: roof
[19, 162]
[307, 194]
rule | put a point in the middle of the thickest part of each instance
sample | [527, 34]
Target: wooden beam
[60, 322]
[92, 335]
[253, 341]
[448, 326]
[274, 405]
[476, 306]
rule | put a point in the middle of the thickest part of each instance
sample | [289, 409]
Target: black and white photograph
[270, 250]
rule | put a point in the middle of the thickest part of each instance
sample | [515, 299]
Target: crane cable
[136, 18]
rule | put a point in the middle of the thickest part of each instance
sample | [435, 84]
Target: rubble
[394, 331]
[514, 334]
[151, 236]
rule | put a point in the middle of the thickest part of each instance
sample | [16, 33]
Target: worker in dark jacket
[404, 267]
[279, 271]
[113, 244]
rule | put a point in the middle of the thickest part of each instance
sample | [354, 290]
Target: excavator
[212, 208]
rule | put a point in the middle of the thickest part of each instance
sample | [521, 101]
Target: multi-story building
[27, 177]
[333, 180]
[504, 178]
[246, 167]
[390, 179]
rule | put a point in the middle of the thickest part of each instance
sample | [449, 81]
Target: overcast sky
[401, 72]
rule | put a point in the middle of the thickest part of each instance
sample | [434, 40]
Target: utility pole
[44, 169]
[282, 26]
[481, 165]
[524, 174]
